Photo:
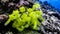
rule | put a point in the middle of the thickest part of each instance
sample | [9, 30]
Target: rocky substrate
[51, 19]
[51, 24]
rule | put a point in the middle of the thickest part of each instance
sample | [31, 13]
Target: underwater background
[54, 3]
[29, 17]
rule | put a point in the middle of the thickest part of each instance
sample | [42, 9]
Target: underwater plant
[26, 18]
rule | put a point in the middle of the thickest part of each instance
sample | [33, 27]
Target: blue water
[54, 3]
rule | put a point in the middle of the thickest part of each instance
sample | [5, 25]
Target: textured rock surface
[51, 18]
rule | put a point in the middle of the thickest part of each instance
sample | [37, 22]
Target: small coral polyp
[26, 18]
